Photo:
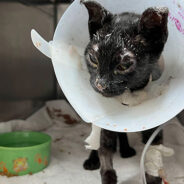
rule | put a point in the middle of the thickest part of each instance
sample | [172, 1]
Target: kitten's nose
[100, 85]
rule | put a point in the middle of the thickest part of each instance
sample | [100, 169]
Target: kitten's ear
[154, 21]
[98, 16]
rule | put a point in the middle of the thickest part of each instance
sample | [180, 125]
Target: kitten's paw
[91, 164]
[109, 177]
[153, 180]
[126, 153]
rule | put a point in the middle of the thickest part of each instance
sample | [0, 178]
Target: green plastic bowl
[24, 153]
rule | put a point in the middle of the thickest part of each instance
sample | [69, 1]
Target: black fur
[109, 177]
[93, 162]
[124, 148]
[153, 179]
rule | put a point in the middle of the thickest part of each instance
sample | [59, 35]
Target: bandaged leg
[154, 163]
[93, 140]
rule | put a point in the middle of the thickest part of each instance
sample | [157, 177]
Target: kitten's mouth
[111, 94]
[107, 93]
[106, 90]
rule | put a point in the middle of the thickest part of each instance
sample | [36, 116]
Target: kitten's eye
[120, 68]
[93, 61]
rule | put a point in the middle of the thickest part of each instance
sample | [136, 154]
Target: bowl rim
[49, 139]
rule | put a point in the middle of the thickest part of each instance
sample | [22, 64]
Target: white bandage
[153, 159]
[93, 140]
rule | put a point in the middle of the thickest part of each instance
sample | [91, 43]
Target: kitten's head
[123, 48]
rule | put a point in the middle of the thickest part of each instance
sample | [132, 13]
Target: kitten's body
[122, 54]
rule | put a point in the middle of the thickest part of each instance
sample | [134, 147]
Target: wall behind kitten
[26, 76]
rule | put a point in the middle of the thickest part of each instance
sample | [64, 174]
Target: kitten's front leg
[93, 162]
[107, 141]
[153, 180]
[125, 150]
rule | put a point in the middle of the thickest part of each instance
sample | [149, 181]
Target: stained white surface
[69, 153]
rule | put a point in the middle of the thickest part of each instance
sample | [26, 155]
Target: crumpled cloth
[53, 111]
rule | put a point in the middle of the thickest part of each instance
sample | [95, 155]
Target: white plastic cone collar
[66, 51]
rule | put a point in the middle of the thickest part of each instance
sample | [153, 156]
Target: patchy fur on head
[123, 48]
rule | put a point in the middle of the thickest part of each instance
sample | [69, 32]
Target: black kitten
[122, 54]
[123, 48]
